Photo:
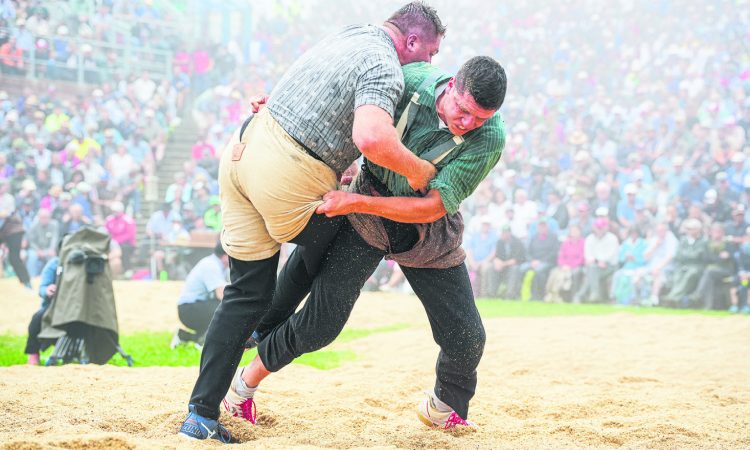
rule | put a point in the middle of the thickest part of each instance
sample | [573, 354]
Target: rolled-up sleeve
[381, 83]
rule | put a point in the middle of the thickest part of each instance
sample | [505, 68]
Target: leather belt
[304, 147]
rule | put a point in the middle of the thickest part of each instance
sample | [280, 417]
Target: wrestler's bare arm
[425, 209]
[375, 136]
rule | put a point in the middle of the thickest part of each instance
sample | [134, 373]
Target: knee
[479, 338]
[468, 350]
[310, 339]
[475, 342]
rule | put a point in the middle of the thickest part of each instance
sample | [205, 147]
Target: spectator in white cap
[626, 207]
[42, 238]
[160, 222]
[82, 195]
[509, 254]
[73, 218]
[58, 172]
[661, 247]
[603, 198]
[122, 229]
[144, 88]
[735, 227]
[715, 207]
[646, 191]
[556, 209]
[188, 216]
[600, 250]
[678, 175]
[690, 261]
[24, 37]
[585, 171]
[626, 174]
[27, 211]
[624, 288]
[541, 257]
[724, 190]
[719, 265]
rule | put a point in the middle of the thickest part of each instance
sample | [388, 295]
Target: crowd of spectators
[636, 123]
[70, 160]
[66, 162]
[627, 128]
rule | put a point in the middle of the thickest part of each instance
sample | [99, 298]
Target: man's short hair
[418, 18]
[485, 80]
[219, 250]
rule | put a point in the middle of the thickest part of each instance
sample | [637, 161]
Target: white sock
[241, 388]
[439, 405]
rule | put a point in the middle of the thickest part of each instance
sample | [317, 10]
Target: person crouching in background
[47, 290]
[203, 290]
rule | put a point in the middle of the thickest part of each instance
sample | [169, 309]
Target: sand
[619, 381]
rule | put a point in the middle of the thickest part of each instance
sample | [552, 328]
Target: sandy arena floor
[619, 381]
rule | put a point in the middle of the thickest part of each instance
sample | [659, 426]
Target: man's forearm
[401, 209]
[386, 150]
[376, 137]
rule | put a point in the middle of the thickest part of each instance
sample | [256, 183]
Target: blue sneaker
[200, 428]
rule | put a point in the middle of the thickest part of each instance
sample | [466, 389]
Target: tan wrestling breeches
[269, 188]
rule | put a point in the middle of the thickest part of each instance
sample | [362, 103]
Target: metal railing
[100, 64]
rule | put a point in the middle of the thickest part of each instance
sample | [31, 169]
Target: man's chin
[457, 131]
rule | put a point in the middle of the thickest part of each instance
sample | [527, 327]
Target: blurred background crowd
[625, 176]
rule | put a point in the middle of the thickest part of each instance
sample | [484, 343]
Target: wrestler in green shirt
[467, 165]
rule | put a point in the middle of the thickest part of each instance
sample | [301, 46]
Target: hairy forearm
[384, 149]
[401, 209]
[375, 136]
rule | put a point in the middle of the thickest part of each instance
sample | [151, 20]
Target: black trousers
[445, 294]
[127, 256]
[33, 345]
[196, 316]
[14, 257]
[246, 300]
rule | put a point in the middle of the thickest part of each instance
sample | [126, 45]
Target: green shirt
[466, 166]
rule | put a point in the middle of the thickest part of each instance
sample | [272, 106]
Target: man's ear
[412, 41]
[451, 84]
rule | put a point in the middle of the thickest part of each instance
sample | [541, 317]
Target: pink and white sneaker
[432, 416]
[239, 406]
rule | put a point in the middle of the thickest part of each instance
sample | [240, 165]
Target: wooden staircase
[177, 151]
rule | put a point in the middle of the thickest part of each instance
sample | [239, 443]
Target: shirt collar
[439, 89]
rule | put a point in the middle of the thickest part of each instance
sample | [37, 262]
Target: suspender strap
[244, 126]
[437, 153]
[410, 112]
[407, 117]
